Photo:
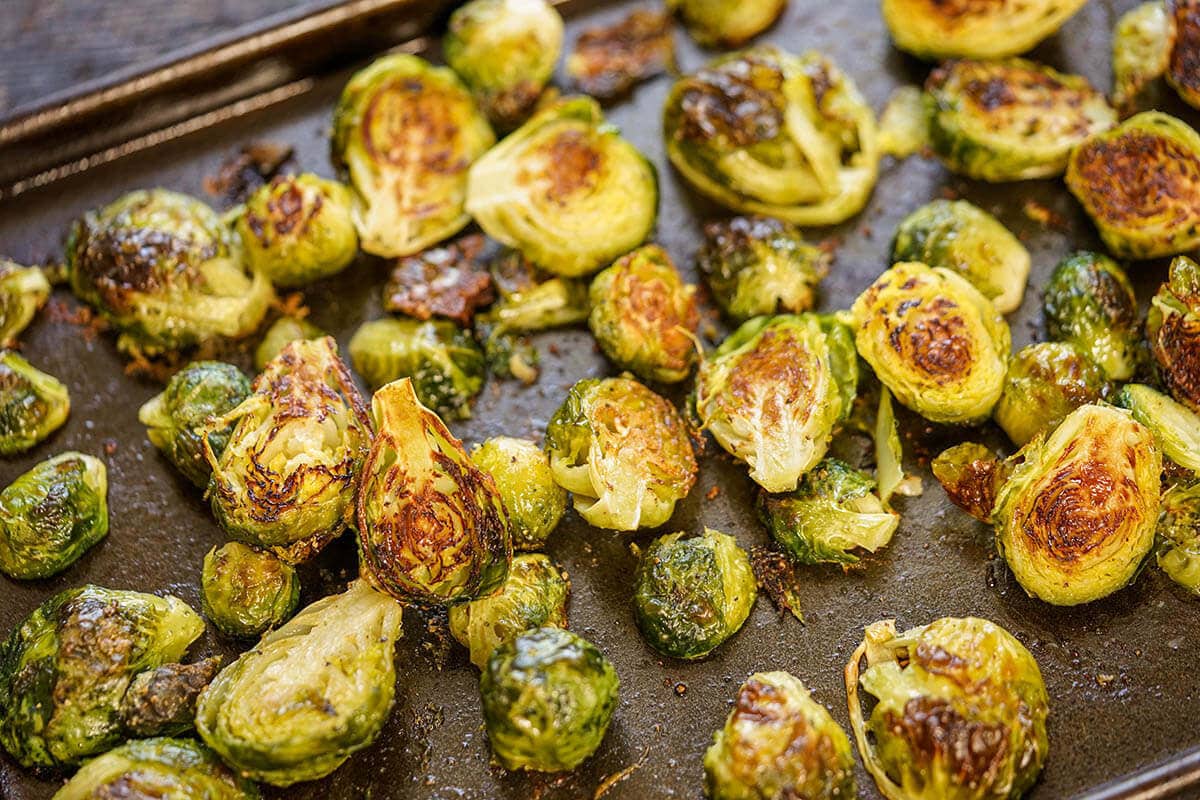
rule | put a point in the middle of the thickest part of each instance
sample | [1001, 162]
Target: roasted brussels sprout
[1173, 329]
[566, 190]
[450, 281]
[645, 317]
[533, 595]
[1183, 67]
[963, 237]
[960, 710]
[286, 478]
[150, 768]
[935, 341]
[1179, 535]
[177, 419]
[972, 476]
[937, 29]
[162, 701]
[726, 23]
[759, 266]
[609, 60]
[1140, 184]
[23, 290]
[622, 451]
[405, 132]
[282, 331]
[904, 125]
[1010, 120]
[1089, 303]
[1176, 429]
[523, 476]
[52, 515]
[165, 271]
[1141, 50]
[1045, 382]
[65, 669]
[32, 404]
[432, 526]
[766, 132]
[505, 51]
[778, 743]
[309, 694]
[246, 591]
[548, 696]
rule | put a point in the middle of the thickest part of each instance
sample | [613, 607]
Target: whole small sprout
[1089, 303]
[23, 291]
[32, 404]
[1045, 382]
[1176, 428]
[548, 697]
[935, 29]
[244, 591]
[53, 514]
[281, 332]
[1173, 330]
[523, 476]
[158, 768]
[1178, 549]
[691, 594]
[726, 23]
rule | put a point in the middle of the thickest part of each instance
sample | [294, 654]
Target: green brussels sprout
[65, 669]
[1183, 67]
[963, 237]
[445, 363]
[177, 419]
[690, 594]
[1010, 120]
[548, 696]
[960, 710]
[972, 476]
[23, 290]
[405, 132]
[760, 266]
[1140, 184]
[1141, 50]
[310, 694]
[1089, 303]
[158, 768]
[1045, 382]
[523, 476]
[1179, 535]
[833, 512]
[165, 271]
[904, 125]
[937, 29]
[533, 595]
[566, 190]
[285, 480]
[32, 404]
[622, 451]
[1076, 517]
[843, 357]
[935, 341]
[766, 132]
[282, 331]
[244, 591]
[645, 317]
[432, 526]
[779, 743]
[1173, 329]
[1175, 427]
[726, 23]
[162, 701]
[51, 515]
[505, 51]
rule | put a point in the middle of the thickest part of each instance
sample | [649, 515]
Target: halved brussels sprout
[308, 695]
[244, 591]
[443, 360]
[23, 290]
[645, 317]
[548, 696]
[833, 512]
[779, 743]
[521, 470]
[533, 595]
[65, 669]
[1183, 68]
[759, 266]
[1076, 517]
[766, 132]
[178, 419]
[52, 515]
[566, 190]
[405, 133]
[1176, 428]
[960, 710]
[691, 593]
[32, 404]
[622, 451]
[282, 331]
[935, 341]
[165, 271]
[1140, 184]
[1010, 120]
[153, 768]
[1045, 382]
[726, 23]
[1173, 329]
[972, 476]
[286, 478]
[162, 701]
[1179, 535]
[1089, 303]
[963, 237]
[937, 29]
[1141, 50]
[432, 526]
[505, 51]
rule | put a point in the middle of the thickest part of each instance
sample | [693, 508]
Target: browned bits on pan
[1137, 175]
[445, 282]
[254, 165]
[609, 61]
[973, 752]
[739, 102]
[1183, 69]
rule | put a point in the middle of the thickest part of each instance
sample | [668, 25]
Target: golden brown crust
[1176, 349]
[407, 118]
[738, 101]
[972, 752]
[1136, 175]
[1183, 67]
[572, 165]
[779, 360]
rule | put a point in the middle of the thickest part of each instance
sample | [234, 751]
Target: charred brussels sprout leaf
[32, 404]
[566, 190]
[1179, 535]
[766, 132]
[1173, 329]
[778, 742]
[246, 591]
[1045, 382]
[23, 290]
[609, 60]
[281, 332]
[548, 696]
[308, 695]
[153, 768]
[432, 526]
[937, 29]
[405, 132]
[523, 476]
[1183, 67]
[52, 515]
[972, 476]
[162, 701]
[447, 281]
[65, 669]
[1176, 428]
[1090, 304]
[622, 451]
[726, 23]
[1141, 50]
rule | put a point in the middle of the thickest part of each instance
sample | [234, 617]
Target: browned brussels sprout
[449, 281]
[726, 23]
[1045, 382]
[610, 60]
[32, 404]
[1090, 304]
[1183, 67]
[535, 502]
[158, 768]
[936, 29]
[162, 701]
[1141, 50]
[244, 591]
[23, 290]
[1173, 329]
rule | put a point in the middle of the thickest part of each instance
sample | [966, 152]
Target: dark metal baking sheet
[1122, 673]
